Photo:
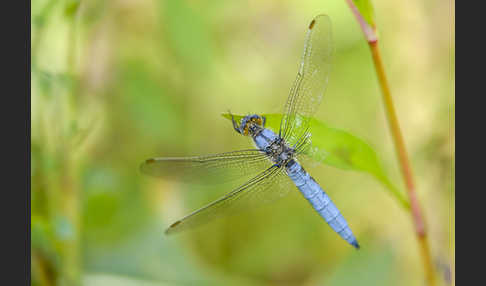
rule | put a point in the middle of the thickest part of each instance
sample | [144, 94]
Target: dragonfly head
[249, 124]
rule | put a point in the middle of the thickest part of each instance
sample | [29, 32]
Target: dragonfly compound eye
[256, 119]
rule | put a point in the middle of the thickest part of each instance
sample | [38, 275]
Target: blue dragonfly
[274, 163]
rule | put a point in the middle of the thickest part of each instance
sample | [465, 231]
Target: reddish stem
[405, 166]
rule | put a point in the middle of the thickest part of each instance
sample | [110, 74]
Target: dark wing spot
[311, 25]
[167, 231]
[150, 161]
[175, 224]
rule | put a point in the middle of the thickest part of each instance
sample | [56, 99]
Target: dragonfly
[274, 163]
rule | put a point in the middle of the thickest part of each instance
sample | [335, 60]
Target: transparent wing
[309, 86]
[221, 167]
[266, 187]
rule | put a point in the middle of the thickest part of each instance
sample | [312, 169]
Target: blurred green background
[117, 82]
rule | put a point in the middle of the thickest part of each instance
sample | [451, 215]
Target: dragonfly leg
[235, 125]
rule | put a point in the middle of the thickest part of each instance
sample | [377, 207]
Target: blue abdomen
[320, 201]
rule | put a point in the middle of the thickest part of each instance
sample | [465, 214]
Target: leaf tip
[363, 11]
[226, 115]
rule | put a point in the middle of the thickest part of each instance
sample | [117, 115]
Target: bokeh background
[116, 82]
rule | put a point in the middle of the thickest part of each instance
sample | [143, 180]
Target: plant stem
[418, 217]
[369, 31]
[370, 34]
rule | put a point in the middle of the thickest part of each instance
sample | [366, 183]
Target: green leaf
[365, 8]
[339, 149]
[363, 11]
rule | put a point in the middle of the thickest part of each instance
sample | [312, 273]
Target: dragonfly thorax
[279, 152]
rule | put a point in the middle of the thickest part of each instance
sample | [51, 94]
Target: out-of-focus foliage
[117, 82]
